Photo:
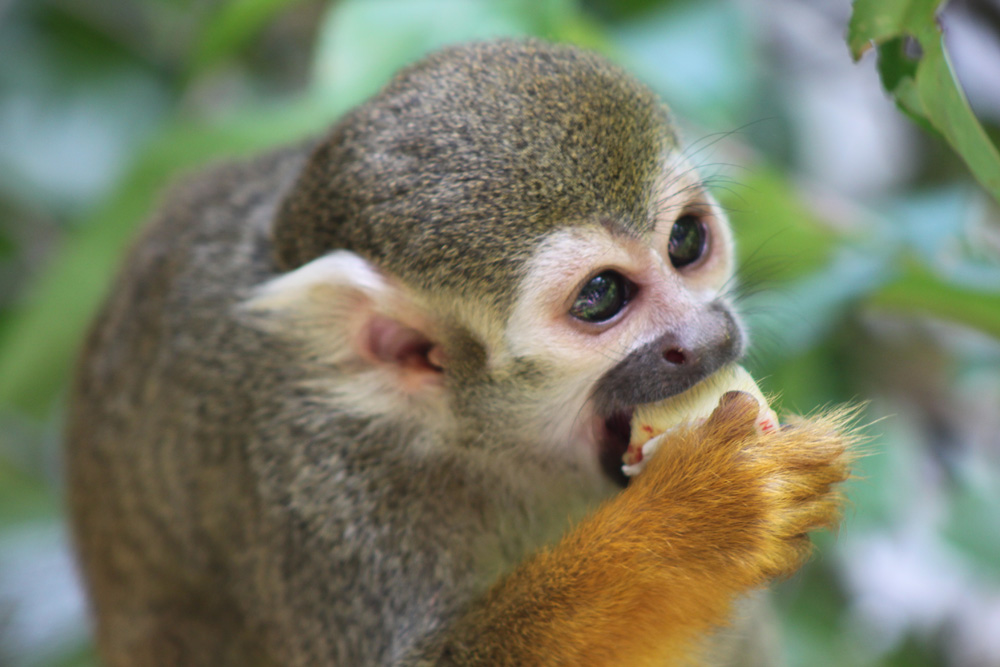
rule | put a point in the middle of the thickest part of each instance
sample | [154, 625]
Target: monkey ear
[350, 315]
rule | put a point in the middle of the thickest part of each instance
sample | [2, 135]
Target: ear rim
[283, 290]
[370, 315]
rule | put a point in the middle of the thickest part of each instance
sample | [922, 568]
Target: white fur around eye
[577, 353]
[556, 271]
[541, 328]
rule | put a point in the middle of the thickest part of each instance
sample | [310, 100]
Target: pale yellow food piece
[692, 407]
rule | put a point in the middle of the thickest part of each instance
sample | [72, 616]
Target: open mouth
[691, 406]
[614, 444]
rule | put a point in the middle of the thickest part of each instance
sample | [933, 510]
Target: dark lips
[614, 444]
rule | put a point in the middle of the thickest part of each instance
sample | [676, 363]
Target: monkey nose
[675, 356]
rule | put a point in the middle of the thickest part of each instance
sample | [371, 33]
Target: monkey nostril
[674, 355]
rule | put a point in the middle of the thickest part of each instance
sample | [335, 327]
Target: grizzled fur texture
[544, 135]
[235, 498]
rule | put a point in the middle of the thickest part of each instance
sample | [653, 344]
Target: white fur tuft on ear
[339, 268]
[371, 335]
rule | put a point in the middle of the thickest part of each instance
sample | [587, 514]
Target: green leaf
[23, 497]
[39, 342]
[880, 20]
[350, 63]
[919, 290]
[894, 64]
[771, 220]
[232, 27]
[7, 246]
[973, 506]
[897, 70]
[924, 86]
[82, 655]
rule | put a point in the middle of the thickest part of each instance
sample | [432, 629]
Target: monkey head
[507, 236]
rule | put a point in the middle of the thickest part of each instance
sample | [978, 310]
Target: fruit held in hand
[689, 408]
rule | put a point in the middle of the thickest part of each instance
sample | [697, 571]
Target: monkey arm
[720, 510]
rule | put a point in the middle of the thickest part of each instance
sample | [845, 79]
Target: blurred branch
[919, 290]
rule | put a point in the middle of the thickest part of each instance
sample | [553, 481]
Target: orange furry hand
[742, 500]
[719, 510]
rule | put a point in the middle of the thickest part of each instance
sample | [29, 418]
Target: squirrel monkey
[365, 402]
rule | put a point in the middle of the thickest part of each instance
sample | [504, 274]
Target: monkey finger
[735, 417]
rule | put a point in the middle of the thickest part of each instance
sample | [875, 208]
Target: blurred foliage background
[871, 258]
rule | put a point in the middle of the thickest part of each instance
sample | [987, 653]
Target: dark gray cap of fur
[452, 173]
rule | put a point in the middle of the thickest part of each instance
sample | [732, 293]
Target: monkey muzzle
[665, 367]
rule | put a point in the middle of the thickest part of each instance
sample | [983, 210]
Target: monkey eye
[602, 297]
[688, 238]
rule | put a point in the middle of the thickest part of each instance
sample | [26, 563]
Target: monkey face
[606, 316]
[625, 317]
[505, 241]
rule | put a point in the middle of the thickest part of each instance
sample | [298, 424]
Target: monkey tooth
[652, 422]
